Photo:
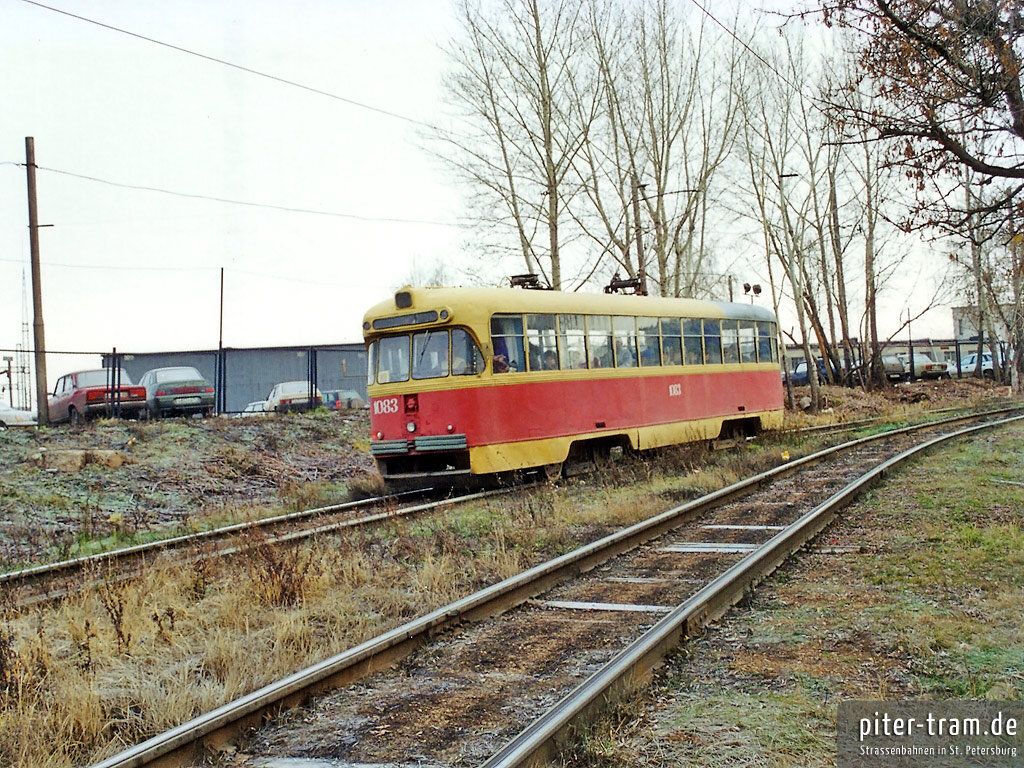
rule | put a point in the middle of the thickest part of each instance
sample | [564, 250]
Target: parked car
[257, 408]
[84, 394]
[894, 369]
[293, 396]
[15, 417]
[180, 390]
[969, 364]
[926, 368]
[343, 400]
[799, 378]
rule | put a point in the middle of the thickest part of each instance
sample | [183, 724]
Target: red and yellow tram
[469, 383]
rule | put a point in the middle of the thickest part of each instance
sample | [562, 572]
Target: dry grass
[126, 660]
[121, 662]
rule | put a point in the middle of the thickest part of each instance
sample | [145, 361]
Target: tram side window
[774, 335]
[712, 341]
[393, 364]
[693, 341]
[572, 341]
[625, 341]
[647, 341]
[467, 359]
[599, 341]
[748, 342]
[507, 338]
[671, 341]
[542, 341]
[764, 342]
[430, 355]
[730, 341]
[371, 363]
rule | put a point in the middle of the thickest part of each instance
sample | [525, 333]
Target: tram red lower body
[505, 413]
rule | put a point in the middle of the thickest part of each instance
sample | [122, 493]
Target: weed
[112, 595]
[162, 631]
[366, 485]
[278, 573]
[83, 643]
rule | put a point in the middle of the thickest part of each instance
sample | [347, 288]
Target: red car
[85, 394]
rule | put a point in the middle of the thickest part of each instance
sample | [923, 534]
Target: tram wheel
[553, 472]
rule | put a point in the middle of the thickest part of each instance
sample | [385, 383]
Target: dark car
[84, 394]
[893, 367]
[798, 378]
[343, 400]
[177, 391]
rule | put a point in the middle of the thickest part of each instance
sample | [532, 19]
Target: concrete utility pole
[37, 290]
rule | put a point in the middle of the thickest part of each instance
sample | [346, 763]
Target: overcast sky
[139, 269]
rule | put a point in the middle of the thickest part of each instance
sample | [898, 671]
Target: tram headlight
[380, 435]
[411, 426]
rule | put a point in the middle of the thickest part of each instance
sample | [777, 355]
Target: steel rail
[181, 744]
[842, 426]
[188, 538]
[538, 743]
[159, 545]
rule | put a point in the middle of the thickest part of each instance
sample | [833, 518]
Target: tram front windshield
[433, 354]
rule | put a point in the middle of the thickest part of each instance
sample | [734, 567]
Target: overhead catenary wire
[247, 203]
[191, 269]
[796, 88]
[240, 67]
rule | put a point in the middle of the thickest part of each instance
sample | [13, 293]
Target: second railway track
[52, 581]
[552, 632]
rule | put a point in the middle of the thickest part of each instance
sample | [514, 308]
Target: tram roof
[481, 303]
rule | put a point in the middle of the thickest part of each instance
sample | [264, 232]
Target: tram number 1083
[385, 405]
[675, 390]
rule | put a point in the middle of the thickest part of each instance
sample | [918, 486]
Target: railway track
[530, 656]
[53, 581]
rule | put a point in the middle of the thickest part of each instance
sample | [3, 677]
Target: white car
[15, 417]
[294, 396]
[970, 363]
[257, 408]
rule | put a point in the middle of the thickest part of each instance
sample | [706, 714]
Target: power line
[248, 203]
[116, 268]
[249, 70]
[136, 268]
[757, 55]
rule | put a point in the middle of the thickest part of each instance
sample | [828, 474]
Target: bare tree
[668, 123]
[771, 131]
[521, 102]
[946, 88]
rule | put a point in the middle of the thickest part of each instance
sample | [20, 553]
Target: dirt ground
[170, 475]
[851, 404]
